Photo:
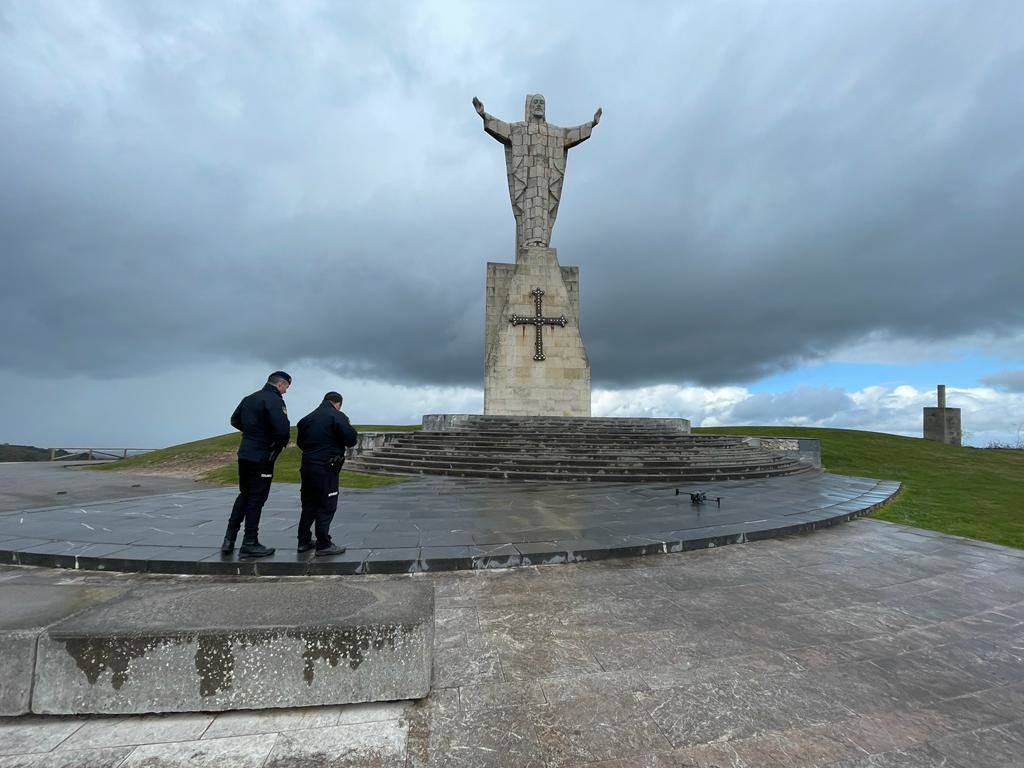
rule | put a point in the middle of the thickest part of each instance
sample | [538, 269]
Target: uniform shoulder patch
[285, 409]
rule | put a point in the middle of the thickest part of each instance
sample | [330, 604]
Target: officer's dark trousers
[319, 502]
[254, 479]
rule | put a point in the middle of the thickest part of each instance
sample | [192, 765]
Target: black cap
[281, 375]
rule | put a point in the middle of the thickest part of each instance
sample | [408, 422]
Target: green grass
[286, 470]
[214, 461]
[973, 492]
[177, 456]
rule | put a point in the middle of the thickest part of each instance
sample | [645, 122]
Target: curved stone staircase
[574, 449]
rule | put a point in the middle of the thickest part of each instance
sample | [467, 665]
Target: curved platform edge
[455, 558]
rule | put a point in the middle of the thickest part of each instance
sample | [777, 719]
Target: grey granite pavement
[434, 524]
[862, 646]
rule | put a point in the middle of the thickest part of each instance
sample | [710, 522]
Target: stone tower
[942, 424]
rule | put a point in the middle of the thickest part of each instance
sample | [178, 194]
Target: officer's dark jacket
[263, 420]
[324, 434]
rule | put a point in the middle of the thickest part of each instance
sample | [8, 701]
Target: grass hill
[10, 452]
[213, 460]
[973, 492]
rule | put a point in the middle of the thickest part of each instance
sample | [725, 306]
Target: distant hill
[10, 452]
[214, 460]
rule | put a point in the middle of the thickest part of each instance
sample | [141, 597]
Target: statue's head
[534, 106]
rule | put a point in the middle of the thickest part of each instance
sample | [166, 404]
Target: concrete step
[548, 448]
[536, 442]
[533, 442]
[561, 462]
[475, 444]
[581, 478]
[668, 449]
[567, 455]
[558, 463]
[595, 435]
[526, 432]
[555, 434]
[215, 647]
[384, 466]
[554, 444]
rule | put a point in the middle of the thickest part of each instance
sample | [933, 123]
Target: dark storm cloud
[283, 182]
[1007, 381]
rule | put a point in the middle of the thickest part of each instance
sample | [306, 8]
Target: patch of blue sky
[962, 371]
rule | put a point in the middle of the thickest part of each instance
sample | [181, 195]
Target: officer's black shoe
[228, 546]
[253, 548]
[330, 549]
[305, 546]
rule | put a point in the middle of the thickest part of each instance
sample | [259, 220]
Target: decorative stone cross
[539, 321]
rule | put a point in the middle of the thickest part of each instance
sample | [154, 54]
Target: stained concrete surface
[25, 611]
[38, 484]
[212, 647]
[862, 646]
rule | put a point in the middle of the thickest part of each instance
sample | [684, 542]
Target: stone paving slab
[864, 646]
[212, 647]
[437, 524]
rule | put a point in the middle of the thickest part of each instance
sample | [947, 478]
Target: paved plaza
[434, 524]
[863, 645]
[38, 484]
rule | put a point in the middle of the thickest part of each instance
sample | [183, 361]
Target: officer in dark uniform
[323, 436]
[262, 418]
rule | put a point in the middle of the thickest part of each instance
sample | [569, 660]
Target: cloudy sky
[791, 213]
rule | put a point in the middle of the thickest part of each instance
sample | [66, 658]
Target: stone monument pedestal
[535, 363]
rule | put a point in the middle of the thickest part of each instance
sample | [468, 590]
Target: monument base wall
[516, 383]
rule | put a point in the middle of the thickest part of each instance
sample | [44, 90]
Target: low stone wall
[26, 611]
[372, 441]
[445, 422]
[205, 647]
[806, 449]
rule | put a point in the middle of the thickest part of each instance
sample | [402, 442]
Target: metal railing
[95, 454]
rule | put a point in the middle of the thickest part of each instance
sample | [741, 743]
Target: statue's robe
[535, 155]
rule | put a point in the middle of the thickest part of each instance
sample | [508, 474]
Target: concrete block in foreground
[239, 646]
[25, 611]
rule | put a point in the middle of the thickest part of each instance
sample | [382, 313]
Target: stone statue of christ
[535, 155]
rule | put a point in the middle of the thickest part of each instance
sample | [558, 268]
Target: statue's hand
[597, 116]
[478, 106]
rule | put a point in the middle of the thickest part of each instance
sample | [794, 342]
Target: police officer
[323, 436]
[262, 417]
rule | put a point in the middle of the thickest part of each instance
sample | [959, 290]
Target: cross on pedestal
[539, 321]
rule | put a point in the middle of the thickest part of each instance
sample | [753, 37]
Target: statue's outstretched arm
[581, 133]
[497, 128]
